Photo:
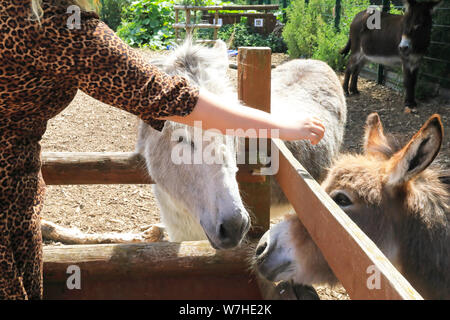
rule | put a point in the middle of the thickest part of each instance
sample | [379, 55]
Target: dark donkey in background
[400, 39]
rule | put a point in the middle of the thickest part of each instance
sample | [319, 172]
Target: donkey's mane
[201, 65]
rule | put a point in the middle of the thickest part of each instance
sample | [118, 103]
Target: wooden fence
[193, 270]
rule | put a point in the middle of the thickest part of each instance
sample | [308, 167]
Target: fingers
[317, 122]
[314, 138]
[316, 131]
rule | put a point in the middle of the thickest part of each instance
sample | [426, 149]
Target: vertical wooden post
[188, 21]
[254, 76]
[216, 18]
[176, 22]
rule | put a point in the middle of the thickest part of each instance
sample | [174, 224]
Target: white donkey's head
[197, 168]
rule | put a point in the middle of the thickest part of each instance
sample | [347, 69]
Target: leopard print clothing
[41, 69]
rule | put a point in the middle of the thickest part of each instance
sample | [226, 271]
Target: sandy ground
[89, 125]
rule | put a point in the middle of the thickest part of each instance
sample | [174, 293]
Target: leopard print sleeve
[107, 69]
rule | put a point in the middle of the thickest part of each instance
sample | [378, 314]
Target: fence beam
[71, 168]
[348, 251]
[254, 88]
[162, 270]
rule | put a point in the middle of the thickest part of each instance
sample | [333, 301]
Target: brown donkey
[398, 39]
[394, 196]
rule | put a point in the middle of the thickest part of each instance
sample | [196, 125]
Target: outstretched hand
[308, 128]
[217, 114]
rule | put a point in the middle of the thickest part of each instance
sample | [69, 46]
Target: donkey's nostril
[260, 249]
[223, 234]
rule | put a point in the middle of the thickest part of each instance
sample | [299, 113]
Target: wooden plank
[216, 17]
[198, 26]
[64, 168]
[177, 16]
[254, 76]
[253, 7]
[230, 8]
[202, 8]
[72, 168]
[188, 21]
[246, 14]
[348, 251]
[164, 270]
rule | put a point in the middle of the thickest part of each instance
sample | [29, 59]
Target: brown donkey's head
[416, 27]
[398, 200]
[383, 186]
[394, 196]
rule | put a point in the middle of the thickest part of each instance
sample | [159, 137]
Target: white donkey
[199, 201]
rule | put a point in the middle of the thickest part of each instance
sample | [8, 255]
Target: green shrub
[148, 23]
[111, 12]
[310, 31]
[242, 35]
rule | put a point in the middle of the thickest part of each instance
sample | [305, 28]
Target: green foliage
[310, 31]
[148, 23]
[111, 12]
[242, 35]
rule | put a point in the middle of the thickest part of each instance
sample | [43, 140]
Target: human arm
[104, 67]
[216, 114]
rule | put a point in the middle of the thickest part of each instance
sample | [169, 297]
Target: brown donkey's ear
[418, 154]
[375, 142]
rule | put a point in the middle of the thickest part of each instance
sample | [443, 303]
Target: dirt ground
[89, 125]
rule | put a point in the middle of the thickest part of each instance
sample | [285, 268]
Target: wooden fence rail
[164, 270]
[72, 168]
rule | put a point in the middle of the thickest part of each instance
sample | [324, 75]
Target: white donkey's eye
[182, 139]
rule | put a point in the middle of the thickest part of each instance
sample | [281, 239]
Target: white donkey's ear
[221, 51]
[221, 47]
[418, 154]
[219, 44]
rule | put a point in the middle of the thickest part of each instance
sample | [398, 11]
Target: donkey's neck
[425, 236]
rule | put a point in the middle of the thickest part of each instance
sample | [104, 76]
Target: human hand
[308, 128]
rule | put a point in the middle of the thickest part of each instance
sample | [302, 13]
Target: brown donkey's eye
[342, 200]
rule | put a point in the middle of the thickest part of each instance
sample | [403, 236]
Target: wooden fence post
[254, 75]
